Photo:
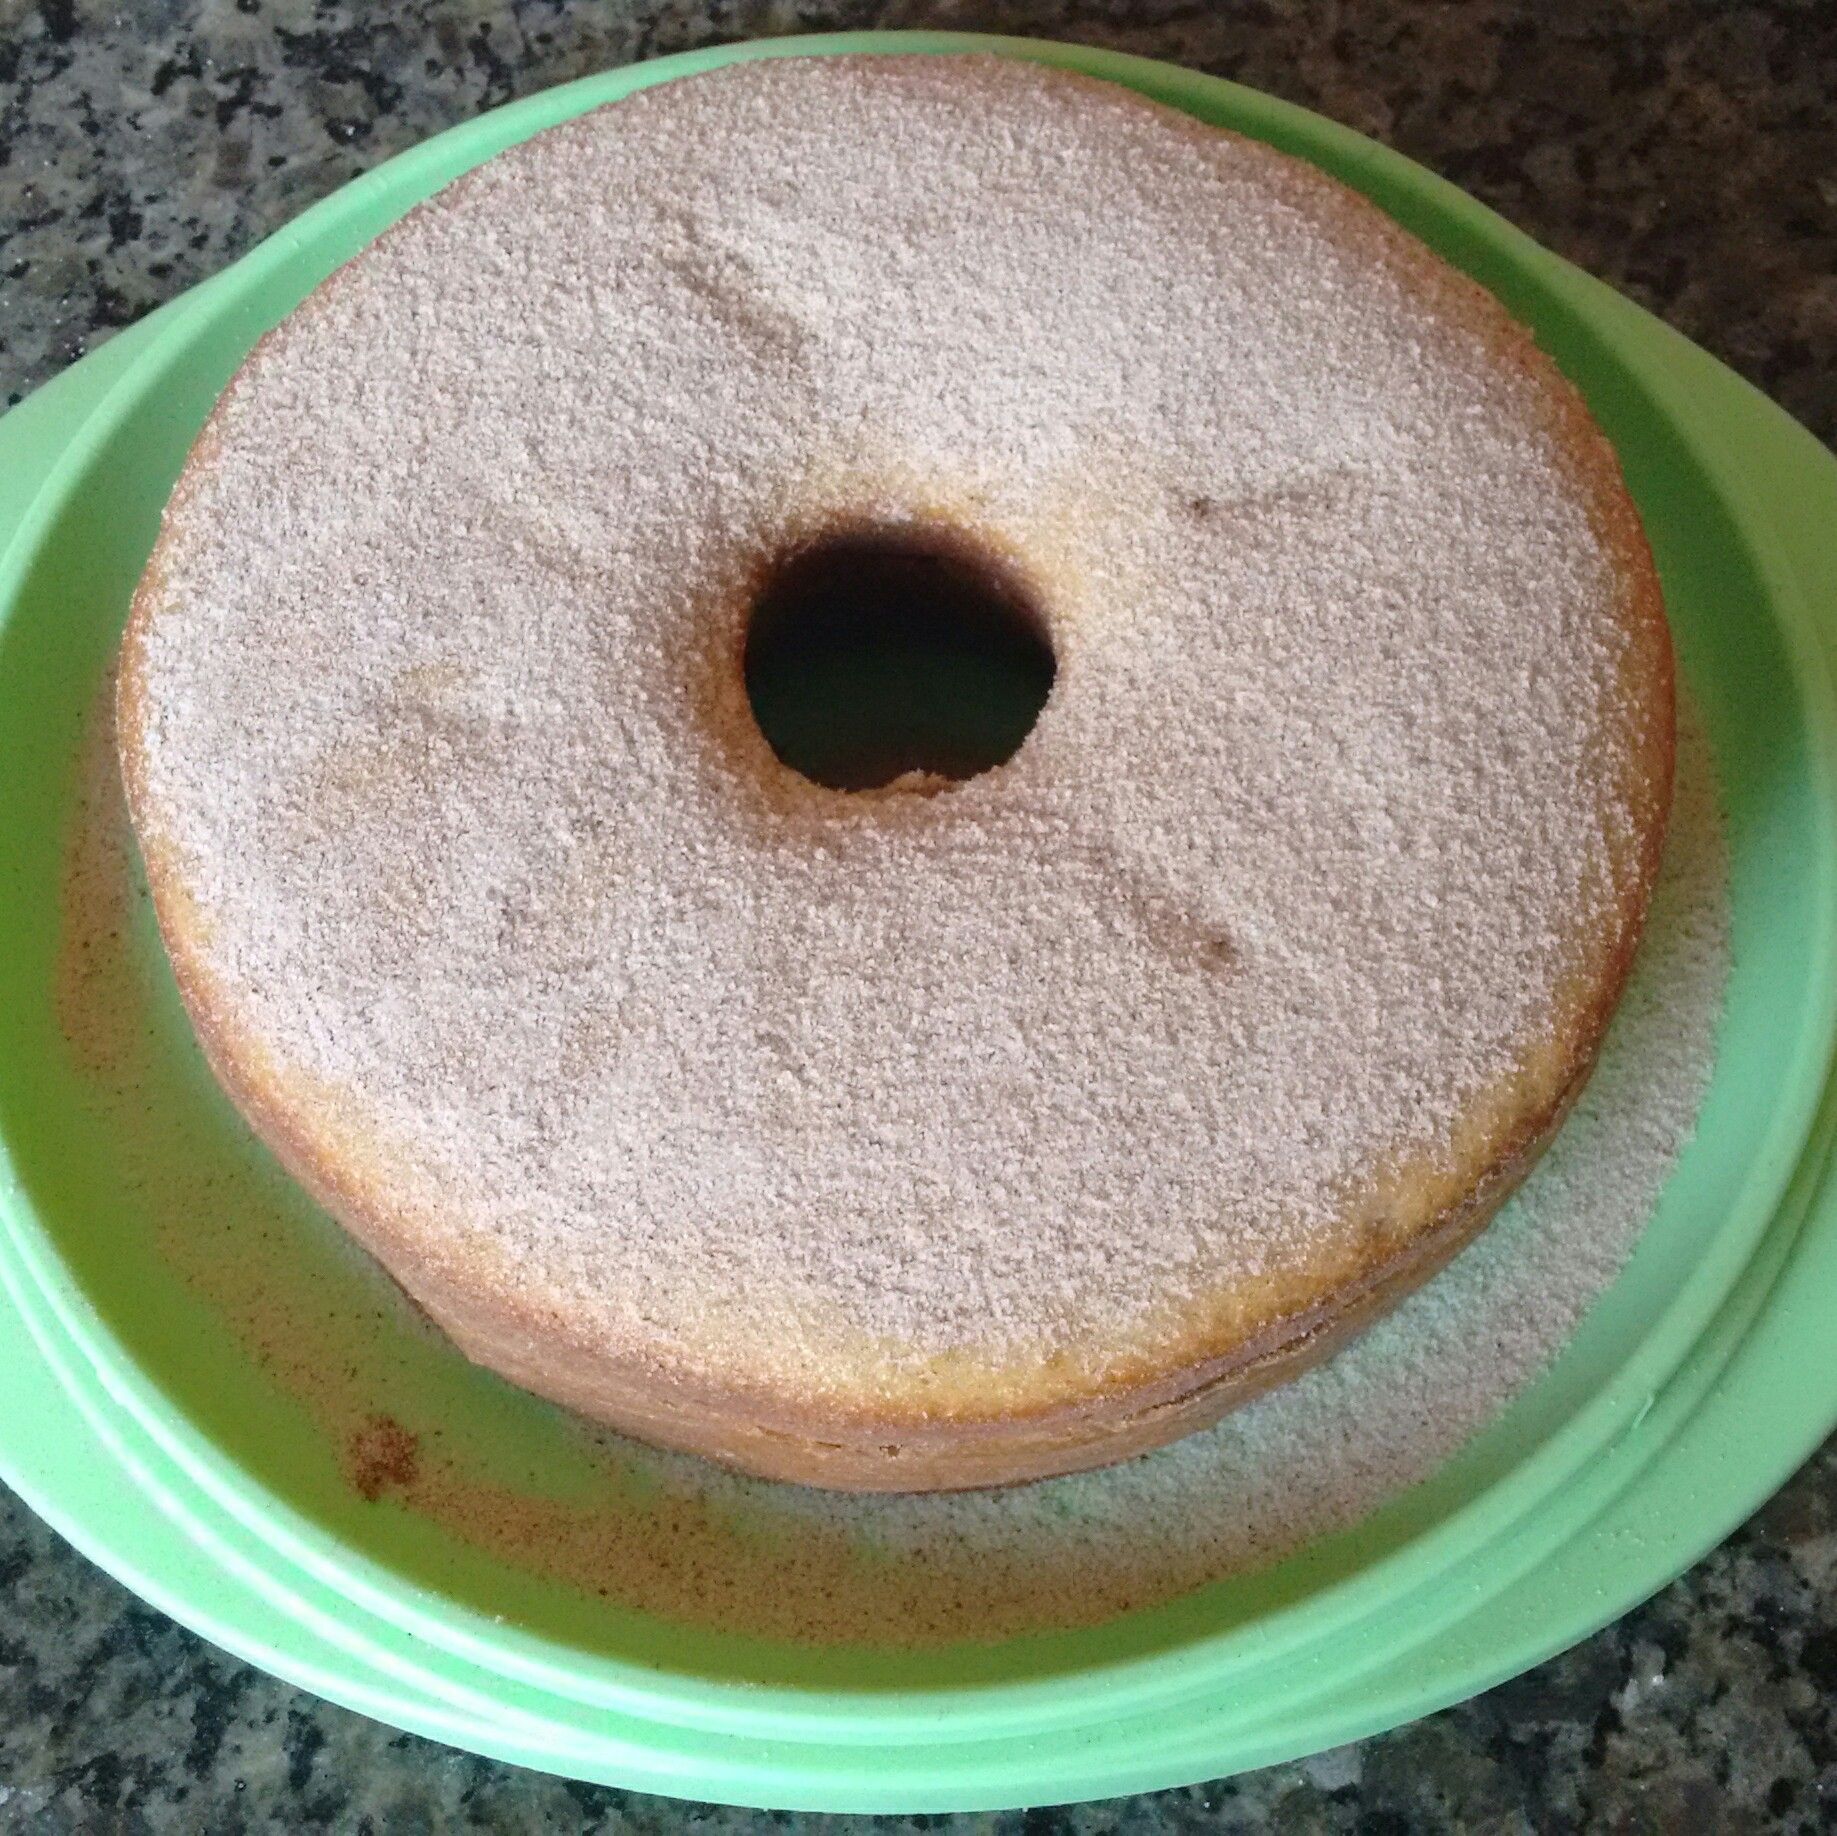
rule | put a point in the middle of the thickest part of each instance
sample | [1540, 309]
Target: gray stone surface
[1685, 151]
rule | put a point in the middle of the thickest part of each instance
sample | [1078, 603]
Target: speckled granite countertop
[1683, 150]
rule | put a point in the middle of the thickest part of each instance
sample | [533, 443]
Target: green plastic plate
[152, 1435]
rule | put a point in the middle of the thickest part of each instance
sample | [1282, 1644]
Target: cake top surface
[1333, 807]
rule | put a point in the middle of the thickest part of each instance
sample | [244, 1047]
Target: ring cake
[964, 1129]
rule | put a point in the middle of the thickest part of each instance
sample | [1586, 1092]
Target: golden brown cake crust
[985, 1421]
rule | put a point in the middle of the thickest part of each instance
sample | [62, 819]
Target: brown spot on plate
[382, 1456]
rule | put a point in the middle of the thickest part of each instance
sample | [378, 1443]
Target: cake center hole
[872, 655]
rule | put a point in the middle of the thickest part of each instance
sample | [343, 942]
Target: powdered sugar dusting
[441, 718]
